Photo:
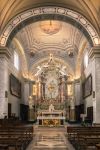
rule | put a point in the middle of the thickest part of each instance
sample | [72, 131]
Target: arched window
[16, 60]
[86, 60]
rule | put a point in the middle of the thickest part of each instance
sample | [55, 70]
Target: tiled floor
[50, 139]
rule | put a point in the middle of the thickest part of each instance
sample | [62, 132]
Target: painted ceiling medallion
[50, 26]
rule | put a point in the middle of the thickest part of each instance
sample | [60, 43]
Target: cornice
[5, 51]
[94, 52]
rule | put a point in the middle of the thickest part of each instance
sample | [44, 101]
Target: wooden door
[9, 110]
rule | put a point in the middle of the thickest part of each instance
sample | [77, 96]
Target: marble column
[94, 55]
[42, 87]
[63, 88]
[4, 58]
[37, 92]
[39, 89]
[72, 110]
[77, 92]
[70, 100]
[31, 109]
[43, 90]
[64, 82]
[59, 89]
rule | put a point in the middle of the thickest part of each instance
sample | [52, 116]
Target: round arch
[42, 13]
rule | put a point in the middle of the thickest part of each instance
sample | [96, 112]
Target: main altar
[51, 117]
[52, 100]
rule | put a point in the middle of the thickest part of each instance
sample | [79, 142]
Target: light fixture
[50, 26]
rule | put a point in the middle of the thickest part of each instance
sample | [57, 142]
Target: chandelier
[50, 26]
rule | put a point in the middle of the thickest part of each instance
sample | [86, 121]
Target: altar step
[51, 149]
[49, 128]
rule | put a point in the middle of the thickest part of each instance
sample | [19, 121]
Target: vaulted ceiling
[67, 46]
[89, 8]
[37, 45]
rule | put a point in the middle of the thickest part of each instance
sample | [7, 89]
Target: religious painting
[51, 88]
[87, 87]
[15, 86]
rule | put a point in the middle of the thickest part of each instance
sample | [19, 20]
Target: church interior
[49, 75]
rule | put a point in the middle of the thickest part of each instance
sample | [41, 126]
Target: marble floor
[46, 138]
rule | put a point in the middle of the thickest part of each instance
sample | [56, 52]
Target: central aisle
[49, 138]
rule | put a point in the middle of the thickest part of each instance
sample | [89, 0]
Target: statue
[51, 108]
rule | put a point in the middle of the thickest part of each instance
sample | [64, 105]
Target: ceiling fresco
[36, 45]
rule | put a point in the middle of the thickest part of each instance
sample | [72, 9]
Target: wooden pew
[98, 146]
[83, 137]
[4, 147]
[18, 137]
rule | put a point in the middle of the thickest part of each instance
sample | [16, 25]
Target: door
[9, 110]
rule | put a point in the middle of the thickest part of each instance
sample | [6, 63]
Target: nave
[22, 136]
[71, 137]
[50, 138]
[49, 74]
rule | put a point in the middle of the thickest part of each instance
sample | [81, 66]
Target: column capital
[77, 81]
[26, 80]
[70, 82]
[94, 51]
[4, 51]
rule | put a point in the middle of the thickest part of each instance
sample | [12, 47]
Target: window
[86, 60]
[16, 60]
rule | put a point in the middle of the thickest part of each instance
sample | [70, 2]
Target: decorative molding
[94, 52]
[5, 51]
[77, 81]
[44, 60]
[46, 11]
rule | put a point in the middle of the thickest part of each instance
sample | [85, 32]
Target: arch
[49, 10]
[79, 60]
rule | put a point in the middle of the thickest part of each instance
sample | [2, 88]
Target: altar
[51, 118]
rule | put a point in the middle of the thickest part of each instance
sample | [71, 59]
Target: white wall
[77, 92]
[15, 101]
[26, 93]
[89, 70]
[15, 104]
[3, 86]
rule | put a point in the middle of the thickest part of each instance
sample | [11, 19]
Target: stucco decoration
[49, 10]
